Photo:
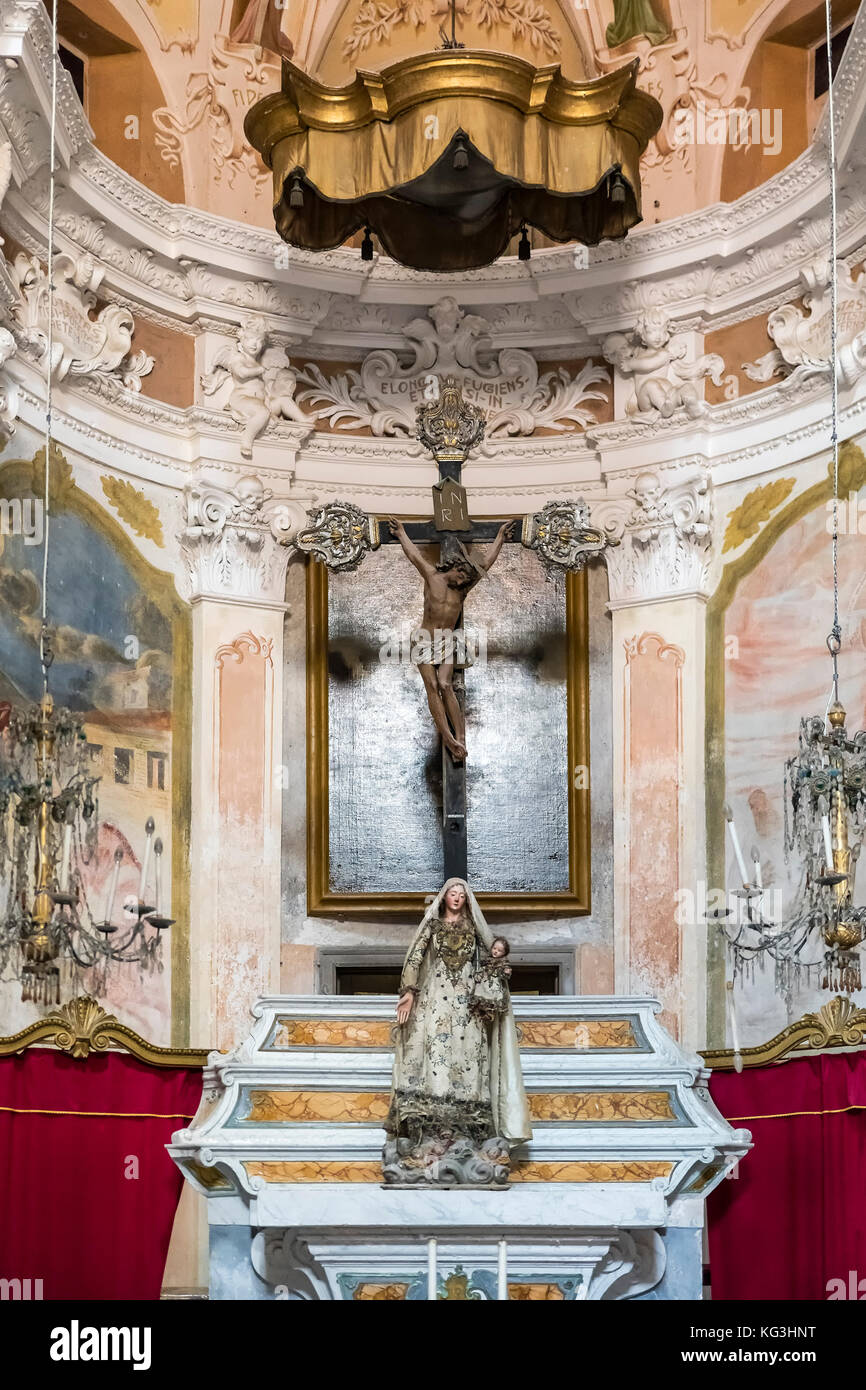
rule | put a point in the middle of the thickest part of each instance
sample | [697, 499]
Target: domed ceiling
[742, 82]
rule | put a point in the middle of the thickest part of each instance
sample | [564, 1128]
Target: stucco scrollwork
[9, 395]
[85, 344]
[506, 384]
[212, 107]
[802, 335]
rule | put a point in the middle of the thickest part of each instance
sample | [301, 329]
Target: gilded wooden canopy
[446, 155]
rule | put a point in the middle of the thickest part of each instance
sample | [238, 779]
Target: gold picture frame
[323, 902]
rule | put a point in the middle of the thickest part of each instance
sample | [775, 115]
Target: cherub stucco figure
[263, 382]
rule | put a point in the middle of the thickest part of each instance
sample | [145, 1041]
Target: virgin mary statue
[457, 1099]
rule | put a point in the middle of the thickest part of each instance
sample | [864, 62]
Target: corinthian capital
[234, 542]
[666, 540]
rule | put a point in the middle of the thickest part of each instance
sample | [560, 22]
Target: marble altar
[606, 1201]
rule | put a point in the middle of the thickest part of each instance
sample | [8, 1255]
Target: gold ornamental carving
[838, 1023]
[82, 1027]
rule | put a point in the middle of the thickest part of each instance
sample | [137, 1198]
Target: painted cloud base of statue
[446, 1160]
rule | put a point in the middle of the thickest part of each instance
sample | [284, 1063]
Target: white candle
[65, 857]
[759, 877]
[157, 852]
[502, 1282]
[735, 1037]
[735, 841]
[145, 863]
[431, 1269]
[828, 842]
[112, 887]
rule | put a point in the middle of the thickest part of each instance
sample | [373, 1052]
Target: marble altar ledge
[350, 1206]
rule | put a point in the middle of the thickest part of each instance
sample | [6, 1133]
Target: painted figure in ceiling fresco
[261, 23]
[457, 1098]
[635, 19]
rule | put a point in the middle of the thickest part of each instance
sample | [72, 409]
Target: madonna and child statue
[458, 1105]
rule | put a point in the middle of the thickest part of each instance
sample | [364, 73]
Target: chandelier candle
[735, 1032]
[149, 828]
[735, 841]
[112, 888]
[759, 877]
[828, 842]
[157, 859]
[66, 852]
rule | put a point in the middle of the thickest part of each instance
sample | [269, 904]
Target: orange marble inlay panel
[532, 1293]
[354, 1170]
[575, 1032]
[311, 1170]
[280, 1106]
[636, 1171]
[385, 1292]
[601, 1106]
[320, 1032]
[572, 1032]
[208, 1177]
[593, 1107]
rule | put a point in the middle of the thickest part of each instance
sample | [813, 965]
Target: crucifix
[341, 535]
[449, 427]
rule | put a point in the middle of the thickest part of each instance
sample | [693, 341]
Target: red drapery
[89, 1193]
[794, 1217]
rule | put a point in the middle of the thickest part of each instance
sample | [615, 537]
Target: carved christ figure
[445, 588]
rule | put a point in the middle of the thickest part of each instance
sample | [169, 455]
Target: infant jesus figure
[490, 994]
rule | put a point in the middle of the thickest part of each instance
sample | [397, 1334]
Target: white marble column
[658, 607]
[236, 571]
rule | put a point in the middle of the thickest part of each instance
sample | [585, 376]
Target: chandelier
[49, 815]
[448, 155]
[825, 822]
[824, 795]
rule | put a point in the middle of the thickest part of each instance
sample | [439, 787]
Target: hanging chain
[46, 655]
[834, 640]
